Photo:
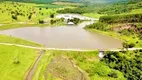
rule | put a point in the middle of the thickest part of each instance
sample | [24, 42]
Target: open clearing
[14, 62]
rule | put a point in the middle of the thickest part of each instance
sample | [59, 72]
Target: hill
[50, 1]
[29, 1]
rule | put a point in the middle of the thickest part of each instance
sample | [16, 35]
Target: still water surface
[71, 37]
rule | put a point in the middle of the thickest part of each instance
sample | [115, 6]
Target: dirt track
[44, 48]
[33, 69]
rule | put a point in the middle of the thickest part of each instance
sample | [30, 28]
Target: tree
[131, 45]
[51, 15]
[125, 45]
[41, 21]
[113, 74]
[14, 17]
[52, 21]
[40, 8]
[30, 16]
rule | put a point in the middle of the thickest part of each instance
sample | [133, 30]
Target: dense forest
[130, 63]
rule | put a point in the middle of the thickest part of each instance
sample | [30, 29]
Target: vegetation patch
[63, 68]
[13, 40]
[129, 18]
[68, 64]
[129, 63]
[15, 62]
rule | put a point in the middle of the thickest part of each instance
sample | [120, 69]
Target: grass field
[15, 62]
[13, 40]
[136, 11]
[27, 13]
[88, 63]
[18, 14]
[11, 26]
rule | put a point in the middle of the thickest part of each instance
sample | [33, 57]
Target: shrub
[75, 20]
[98, 26]
[131, 45]
[30, 16]
[52, 22]
[113, 74]
[100, 69]
[125, 45]
[14, 17]
[41, 21]
[16, 60]
[51, 15]
[40, 8]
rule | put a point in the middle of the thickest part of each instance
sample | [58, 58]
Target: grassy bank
[13, 40]
[12, 26]
[124, 38]
[15, 62]
[124, 27]
[67, 64]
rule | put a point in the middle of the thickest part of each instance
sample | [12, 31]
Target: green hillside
[35, 1]
[50, 1]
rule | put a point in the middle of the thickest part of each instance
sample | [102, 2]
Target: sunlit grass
[15, 62]
[13, 40]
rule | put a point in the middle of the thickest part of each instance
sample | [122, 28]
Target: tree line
[129, 18]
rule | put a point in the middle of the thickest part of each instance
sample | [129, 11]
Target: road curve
[44, 48]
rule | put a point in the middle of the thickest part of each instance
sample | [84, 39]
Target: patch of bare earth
[65, 69]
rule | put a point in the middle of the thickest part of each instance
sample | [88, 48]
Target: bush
[131, 45]
[98, 26]
[16, 60]
[41, 21]
[113, 74]
[14, 17]
[127, 32]
[51, 15]
[30, 16]
[100, 69]
[52, 22]
[125, 45]
[75, 20]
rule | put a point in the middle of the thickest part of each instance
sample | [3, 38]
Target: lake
[65, 37]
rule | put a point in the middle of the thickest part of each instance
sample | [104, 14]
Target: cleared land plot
[65, 65]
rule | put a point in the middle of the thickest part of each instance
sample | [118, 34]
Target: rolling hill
[50, 1]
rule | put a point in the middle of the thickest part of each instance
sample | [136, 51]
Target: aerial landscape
[70, 39]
